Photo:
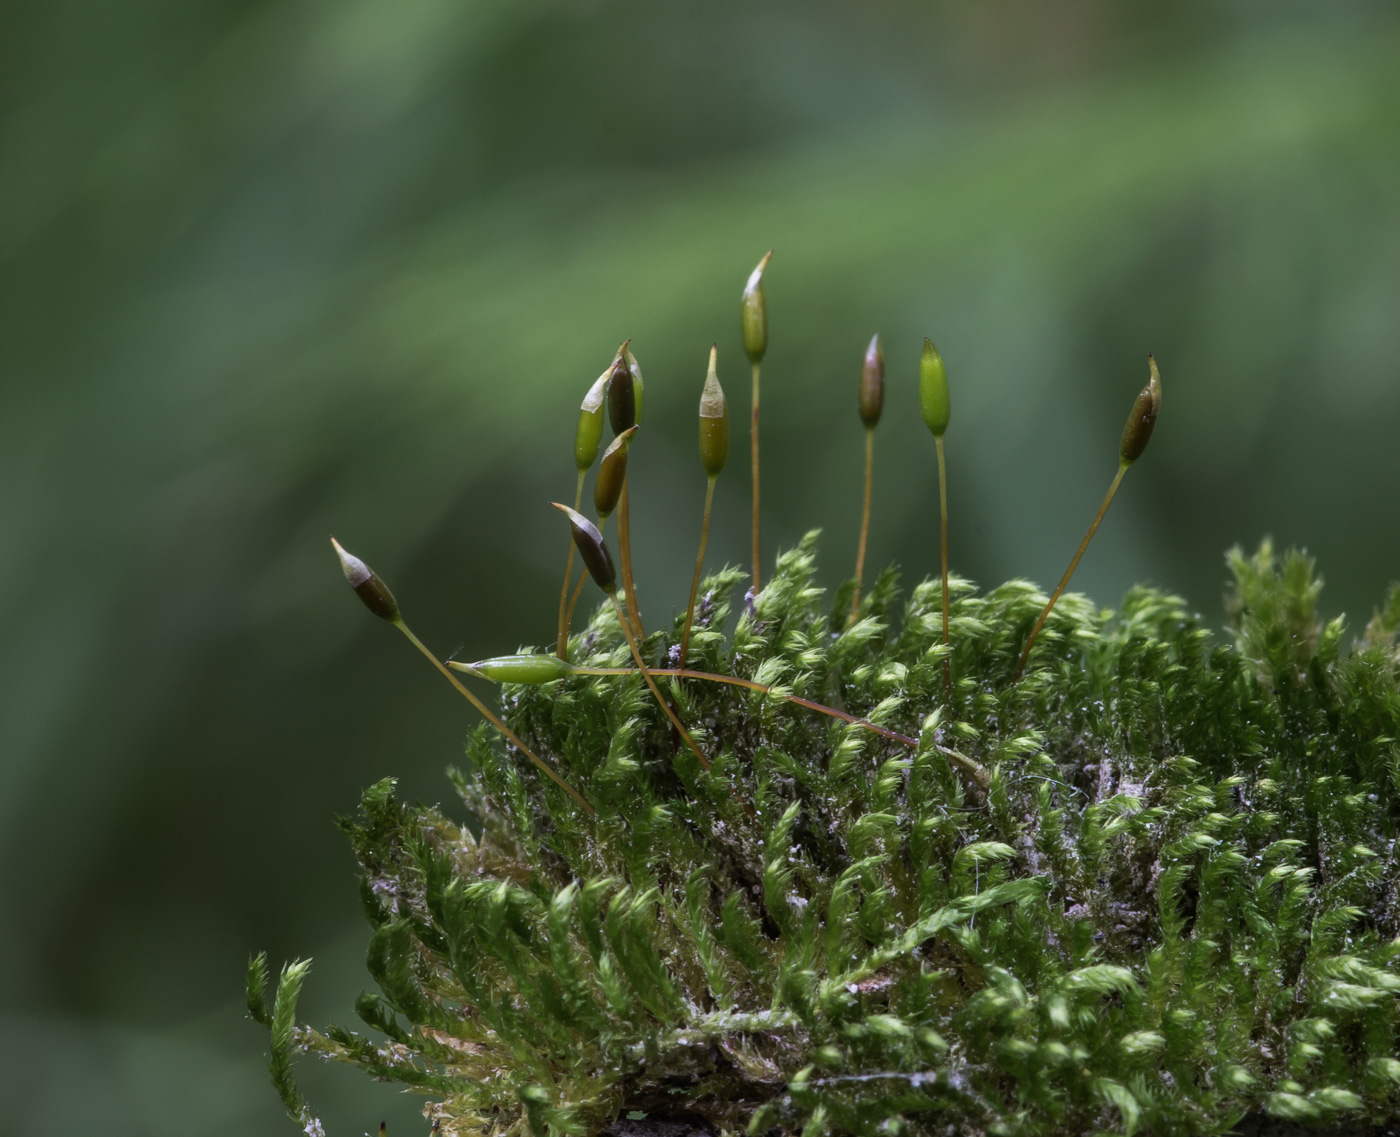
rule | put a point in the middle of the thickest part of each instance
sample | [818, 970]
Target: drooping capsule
[933, 390]
[529, 669]
[714, 422]
[1143, 417]
[590, 423]
[872, 382]
[373, 591]
[612, 473]
[753, 313]
[591, 549]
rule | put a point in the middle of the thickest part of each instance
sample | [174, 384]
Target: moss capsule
[625, 391]
[1143, 417]
[590, 423]
[591, 549]
[612, 473]
[373, 591]
[753, 313]
[529, 669]
[933, 390]
[872, 383]
[714, 422]
[622, 401]
[638, 387]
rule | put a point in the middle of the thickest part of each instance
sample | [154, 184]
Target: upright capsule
[714, 422]
[638, 387]
[872, 382]
[933, 390]
[753, 313]
[622, 399]
[625, 391]
[590, 423]
[1143, 417]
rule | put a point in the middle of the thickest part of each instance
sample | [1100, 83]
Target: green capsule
[591, 549]
[714, 422]
[933, 390]
[612, 472]
[590, 423]
[1142, 418]
[753, 313]
[872, 383]
[529, 669]
[373, 591]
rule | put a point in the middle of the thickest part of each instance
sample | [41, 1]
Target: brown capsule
[622, 394]
[753, 313]
[1143, 417]
[612, 472]
[373, 591]
[591, 549]
[638, 391]
[714, 422]
[872, 383]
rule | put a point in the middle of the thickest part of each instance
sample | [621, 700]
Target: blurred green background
[271, 269]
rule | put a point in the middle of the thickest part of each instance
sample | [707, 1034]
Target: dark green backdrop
[274, 269]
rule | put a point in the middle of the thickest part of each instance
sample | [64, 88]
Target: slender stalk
[699, 564]
[1069, 572]
[656, 691]
[864, 524]
[978, 772]
[943, 557]
[573, 600]
[752, 685]
[624, 548]
[753, 448]
[565, 608]
[493, 720]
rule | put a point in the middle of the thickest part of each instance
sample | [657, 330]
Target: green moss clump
[1173, 902]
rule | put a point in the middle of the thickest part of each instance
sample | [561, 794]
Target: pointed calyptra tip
[612, 472]
[872, 382]
[591, 549]
[753, 313]
[373, 591]
[714, 422]
[529, 669]
[1143, 417]
[933, 390]
[590, 422]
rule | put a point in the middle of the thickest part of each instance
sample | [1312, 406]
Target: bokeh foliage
[273, 269]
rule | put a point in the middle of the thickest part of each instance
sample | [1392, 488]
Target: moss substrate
[1159, 895]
